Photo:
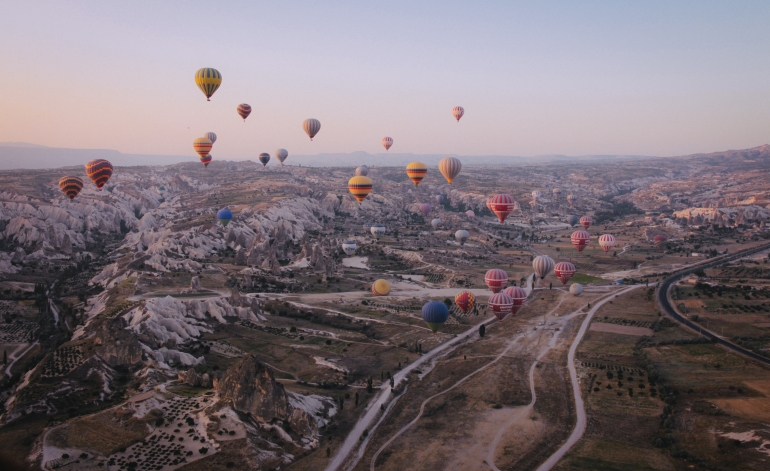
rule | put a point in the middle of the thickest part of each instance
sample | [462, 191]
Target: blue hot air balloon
[435, 314]
[572, 219]
[224, 215]
[439, 199]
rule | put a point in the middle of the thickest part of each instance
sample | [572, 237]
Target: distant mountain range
[19, 155]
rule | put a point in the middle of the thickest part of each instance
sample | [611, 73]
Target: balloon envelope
[564, 271]
[99, 171]
[349, 247]
[450, 167]
[425, 209]
[360, 187]
[211, 137]
[362, 171]
[543, 264]
[387, 142]
[224, 216]
[380, 288]
[311, 127]
[202, 146]
[586, 222]
[462, 236]
[572, 220]
[281, 155]
[264, 157]
[465, 301]
[458, 112]
[416, 172]
[576, 289]
[208, 80]
[496, 279]
[502, 205]
[580, 239]
[244, 110]
[519, 297]
[435, 314]
[436, 223]
[501, 304]
[70, 186]
[377, 230]
[470, 214]
[606, 242]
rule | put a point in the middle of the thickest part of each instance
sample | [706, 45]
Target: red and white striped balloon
[501, 305]
[496, 279]
[502, 205]
[606, 242]
[387, 142]
[586, 222]
[580, 239]
[458, 112]
[519, 297]
[564, 271]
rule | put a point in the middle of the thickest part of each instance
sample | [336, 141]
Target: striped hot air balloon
[70, 186]
[311, 127]
[425, 209]
[281, 155]
[519, 297]
[571, 199]
[435, 314]
[501, 304]
[360, 187]
[264, 157]
[387, 142]
[450, 167]
[606, 242]
[489, 205]
[462, 236]
[659, 241]
[206, 159]
[380, 288]
[458, 112]
[502, 205]
[244, 110]
[496, 279]
[580, 239]
[99, 171]
[416, 172]
[224, 216]
[211, 137]
[564, 271]
[362, 171]
[556, 193]
[202, 146]
[586, 222]
[543, 264]
[208, 80]
[465, 301]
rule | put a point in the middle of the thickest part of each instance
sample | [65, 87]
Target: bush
[203, 450]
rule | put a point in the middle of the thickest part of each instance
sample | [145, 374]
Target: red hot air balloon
[465, 301]
[244, 110]
[496, 279]
[501, 305]
[502, 205]
[206, 160]
[586, 222]
[606, 242]
[519, 297]
[564, 271]
[580, 239]
[99, 171]
[425, 209]
[659, 241]
[70, 186]
[387, 142]
[458, 112]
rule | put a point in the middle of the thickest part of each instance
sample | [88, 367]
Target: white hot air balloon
[349, 247]
[377, 230]
[576, 289]
[543, 264]
[450, 167]
[211, 137]
[436, 223]
[470, 213]
[462, 236]
[606, 242]
[362, 171]
[387, 142]
[281, 155]
[311, 127]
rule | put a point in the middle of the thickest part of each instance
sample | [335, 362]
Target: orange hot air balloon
[99, 171]
[360, 187]
[416, 172]
[70, 186]
[202, 146]
[465, 301]
[244, 110]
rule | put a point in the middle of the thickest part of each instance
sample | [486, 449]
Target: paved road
[668, 308]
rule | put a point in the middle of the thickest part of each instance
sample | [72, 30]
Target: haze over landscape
[405, 236]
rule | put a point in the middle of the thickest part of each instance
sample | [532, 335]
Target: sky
[535, 78]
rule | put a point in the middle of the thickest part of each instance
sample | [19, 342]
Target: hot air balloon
[489, 205]
[99, 171]
[465, 301]
[416, 172]
[571, 199]
[360, 187]
[206, 159]
[362, 171]
[519, 297]
[377, 230]
[387, 142]
[211, 137]
[606, 241]
[659, 241]
[580, 239]
[311, 127]
[536, 195]
[564, 271]
[556, 193]
[501, 205]
[576, 289]
[501, 304]
[425, 209]
[380, 288]
[462, 236]
[586, 222]
[496, 279]
[439, 199]
[436, 223]
[264, 157]
[224, 216]
[470, 214]
[435, 314]
[70, 186]
[202, 146]
[368, 226]
[458, 112]
[572, 220]
[543, 264]
[161, 190]
[208, 80]
[450, 167]
[244, 110]
[281, 155]
[349, 247]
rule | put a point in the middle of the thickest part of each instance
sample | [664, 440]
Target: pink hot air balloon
[502, 205]
[580, 239]
[606, 242]
[425, 209]
[387, 142]
[458, 112]
[519, 297]
[496, 279]
[586, 222]
[564, 271]
[501, 305]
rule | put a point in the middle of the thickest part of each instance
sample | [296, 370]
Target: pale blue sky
[652, 78]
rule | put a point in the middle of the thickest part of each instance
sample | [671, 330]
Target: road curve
[668, 308]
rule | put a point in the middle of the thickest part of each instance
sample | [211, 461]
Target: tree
[5, 357]
[482, 330]
[328, 451]
[357, 397]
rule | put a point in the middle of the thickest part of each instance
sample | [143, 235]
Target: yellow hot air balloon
[202, 146]
[416, 172]
[450, 167]
[208, 80]
[360, 187]
[380, 288]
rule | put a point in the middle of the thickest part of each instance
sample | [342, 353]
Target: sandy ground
[356, 262]
[620, 329]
